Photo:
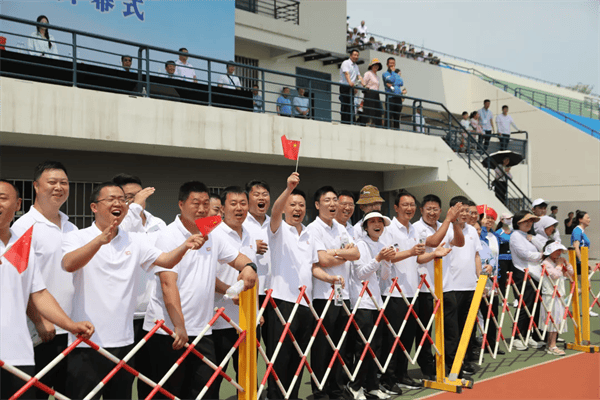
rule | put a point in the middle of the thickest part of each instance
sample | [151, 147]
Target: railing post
[147, 71]
[387, 111]
[297, 13]
[209, 70]
[264, 102]
[74, 59]
[351, 104]
[139, 67]
[310, 105]
[275, 9]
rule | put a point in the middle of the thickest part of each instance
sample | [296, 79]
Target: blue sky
[556, 41]
[203, 27]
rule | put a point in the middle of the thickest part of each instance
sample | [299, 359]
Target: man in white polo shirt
[369, 200]
[293, 256]
[257, 223]
[184, 297]
[504, 122]
[16, 291]
[139, 220]
[349, 73]
[405, 266]
[51, 186]
[104, 260]
[465, 268]
[235, 210]
[345, 211]
[184, 69]
[437, 233]
[336, 250]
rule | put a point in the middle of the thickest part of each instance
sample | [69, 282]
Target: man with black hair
[170, 68]
[553, 211]
[216, 207]
[126, 63]
[257, 223]
[232, 231]
[229, 80]
[486, 122]
[293, 258]
[345, 211]
[393, 83]
[20, 291]
[473, 213]
[349, 73]
[336, 251]
[465, 268]
[138, 220]
[437, 233]
[104, 260]
[185, 295]
[185, 69]
[51, 186]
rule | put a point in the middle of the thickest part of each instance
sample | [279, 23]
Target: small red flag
[18, 254]
[207, 224]
[290, 148]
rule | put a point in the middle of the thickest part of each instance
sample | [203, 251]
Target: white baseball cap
[552, 247]
[539, 202]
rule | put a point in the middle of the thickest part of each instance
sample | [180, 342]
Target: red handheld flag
[291, 148]
[207, 224]
[18, 254]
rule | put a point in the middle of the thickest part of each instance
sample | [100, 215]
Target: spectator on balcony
[362, 29]
[504, 122]
[421, 56]
[126, 63]
[411, 53]
[300, 104]
[373, 108]
[41, 43]
[170, 68]
[184, 69]
[359, 102]
[372, 44]
[257, 100]
[350, 39]
[502, 174]
[349, 73]
[474, 120]
[284, 104]
[229, 80]
[363, 39]
[393, 83]
[465, 123]
[486, 117]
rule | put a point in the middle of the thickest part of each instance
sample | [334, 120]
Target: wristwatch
[252, 265]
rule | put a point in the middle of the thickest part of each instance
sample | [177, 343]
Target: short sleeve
[346, 67]
[226, 251]
[317, 240]
[37, 281]
[71, 241]
[147, 252]
[315, 254]
[577, 235]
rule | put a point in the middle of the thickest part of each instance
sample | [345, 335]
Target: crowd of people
[130, 268]
[358, 38]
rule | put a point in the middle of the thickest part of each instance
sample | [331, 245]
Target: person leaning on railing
[349, 73]
[393, 83]
[373, 108]
[41, 43]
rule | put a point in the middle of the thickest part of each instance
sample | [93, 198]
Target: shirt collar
[180, 226]
[121, 233]
[402, 227]
[39, 217]
[322, 223]
[294, 230]
[251, 218]
[229, 231]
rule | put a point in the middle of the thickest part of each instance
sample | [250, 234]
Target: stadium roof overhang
[326, 57]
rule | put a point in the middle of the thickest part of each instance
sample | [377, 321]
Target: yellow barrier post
[582, 336]
[441, 382]
[468, 329]
[575, 301]
[247, 349]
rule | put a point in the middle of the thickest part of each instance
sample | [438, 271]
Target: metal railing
[286, 10]
[439, 53]
[327, 100]
[587, 109]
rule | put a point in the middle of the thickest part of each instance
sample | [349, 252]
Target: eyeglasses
[112, 200]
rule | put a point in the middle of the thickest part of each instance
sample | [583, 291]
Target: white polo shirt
[263, 261]
[462, 261]
[351, 68]
[133, 223]
[16, 347]
[407, 270]
[105, 288]
[229, 275]
[350, 230]
[330, 237]
[359, 232]
[421, 226]
[292, 258]
[185, 70]
[196, 277]
[368, 269]
[46, 247]
[229, 81]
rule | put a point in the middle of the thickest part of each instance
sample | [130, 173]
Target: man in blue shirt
[257, 100]
[284, 104]
[300, 105]
[393, 86]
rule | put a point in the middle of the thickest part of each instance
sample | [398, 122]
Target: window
[248, 76]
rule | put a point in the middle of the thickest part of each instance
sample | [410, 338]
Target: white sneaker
[516, 303]
[356, 394]
[535, 345]
[518, 345]
[593, 314]
[378, 394]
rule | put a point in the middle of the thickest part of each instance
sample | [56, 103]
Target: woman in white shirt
[374, 264]
[41, 43]
[525, 256]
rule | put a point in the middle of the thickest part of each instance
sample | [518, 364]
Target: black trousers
[529, 300]
[9, 383]
[394, 104]
[334, 322]
[367, 375]
[142, 357]
[87, 368]
[346, 98]
[463, 302]
[484, 140]
[46, 352]
[190, 377]
[288, 360]
[224, 340]
[451, 330]
[426, 360]
[395, 313]
[504, 139]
